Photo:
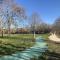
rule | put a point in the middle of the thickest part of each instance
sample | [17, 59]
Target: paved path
[54, 37]
[33, 52]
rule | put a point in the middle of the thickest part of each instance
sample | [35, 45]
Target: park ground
[18, 42]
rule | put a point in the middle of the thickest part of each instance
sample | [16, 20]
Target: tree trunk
[2, 33]
[9, 30]
[34, 34]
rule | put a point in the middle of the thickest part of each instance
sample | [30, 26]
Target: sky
[48, 10]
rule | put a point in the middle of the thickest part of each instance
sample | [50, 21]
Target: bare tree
[1, 17]
[19, 11]
[10, 10]
[44, 28]
[34, 21]
[56, 26]
[1, 25]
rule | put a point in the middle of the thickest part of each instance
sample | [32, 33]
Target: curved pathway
[54, 37]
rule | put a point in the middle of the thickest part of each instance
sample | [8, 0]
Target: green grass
[53, 48]
[45, 36]
[18, 42]
[15, 42]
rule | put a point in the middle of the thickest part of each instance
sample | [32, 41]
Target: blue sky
[48, 10]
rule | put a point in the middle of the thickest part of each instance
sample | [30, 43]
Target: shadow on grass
[8, 37]
[17, 38]
[52, 56]
[49, 56]
[9, 45]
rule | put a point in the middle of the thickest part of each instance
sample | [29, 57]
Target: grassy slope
[53, 52]
[53, 47]
[16, 41]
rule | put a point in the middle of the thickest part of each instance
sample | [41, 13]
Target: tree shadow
[52, 55]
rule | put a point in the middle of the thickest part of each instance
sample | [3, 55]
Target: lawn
[52, 46]
[15, 42]
[53, 52]
[18, 42]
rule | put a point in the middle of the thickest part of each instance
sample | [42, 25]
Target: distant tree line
[56, 26]
[40, 29]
